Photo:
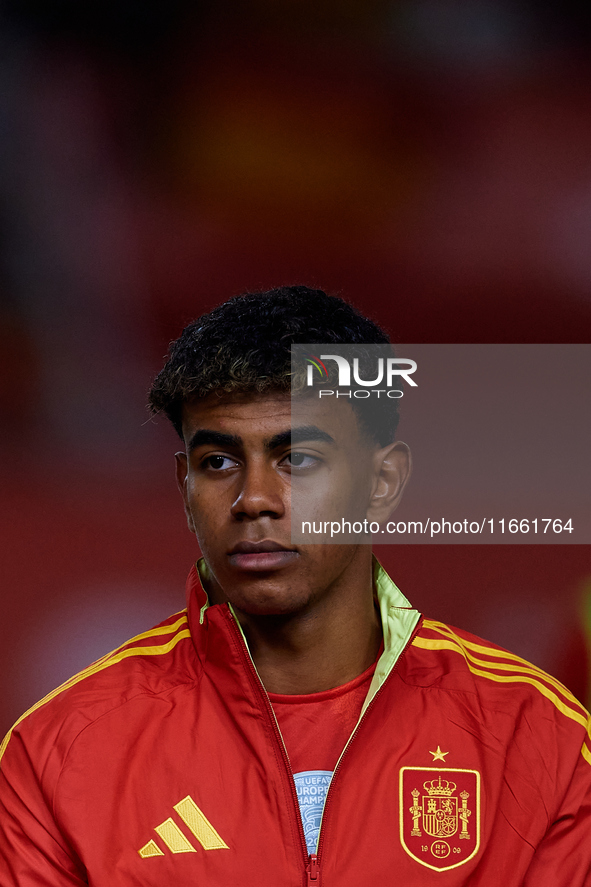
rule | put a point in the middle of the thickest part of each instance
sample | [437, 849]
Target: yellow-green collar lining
[203, 571]
[398, 623]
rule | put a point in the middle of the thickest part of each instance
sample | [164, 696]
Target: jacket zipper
[330, 793]
[312, 860]
[313, 871]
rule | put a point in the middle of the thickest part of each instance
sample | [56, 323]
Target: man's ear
[392, 466]
[182, 482]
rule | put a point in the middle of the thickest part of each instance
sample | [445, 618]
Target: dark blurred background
[429, 160]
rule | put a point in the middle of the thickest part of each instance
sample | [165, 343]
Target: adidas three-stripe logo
[176, 840]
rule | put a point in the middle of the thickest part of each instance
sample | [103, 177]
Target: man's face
[243, 455]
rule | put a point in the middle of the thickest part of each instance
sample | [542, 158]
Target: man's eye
[301, 460]
[218, 463]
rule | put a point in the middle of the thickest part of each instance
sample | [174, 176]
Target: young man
[201, 751]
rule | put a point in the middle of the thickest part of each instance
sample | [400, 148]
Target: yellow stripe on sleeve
[520, 664]
[471, 661]
[116, 656]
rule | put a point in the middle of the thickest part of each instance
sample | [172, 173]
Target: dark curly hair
[244, 345]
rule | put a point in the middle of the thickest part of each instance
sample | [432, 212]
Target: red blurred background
[429, 160]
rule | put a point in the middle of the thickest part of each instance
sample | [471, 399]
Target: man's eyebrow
[298, 435]
[215, 438]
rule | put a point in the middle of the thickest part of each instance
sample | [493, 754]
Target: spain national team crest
[440, 815]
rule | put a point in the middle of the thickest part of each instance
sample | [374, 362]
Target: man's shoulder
[149, 664]
[455, 660]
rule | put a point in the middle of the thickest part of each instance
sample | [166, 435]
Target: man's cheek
[203, 530]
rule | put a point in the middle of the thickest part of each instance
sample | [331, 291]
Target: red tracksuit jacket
[162, 764]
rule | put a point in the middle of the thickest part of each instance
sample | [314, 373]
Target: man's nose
[261, 493]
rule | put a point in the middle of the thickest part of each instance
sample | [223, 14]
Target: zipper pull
[313, 870]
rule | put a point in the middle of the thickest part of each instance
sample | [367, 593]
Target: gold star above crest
[439, 755]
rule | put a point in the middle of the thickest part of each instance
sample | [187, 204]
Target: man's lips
[264, 555]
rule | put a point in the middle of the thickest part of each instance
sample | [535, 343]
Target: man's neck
[325, 647]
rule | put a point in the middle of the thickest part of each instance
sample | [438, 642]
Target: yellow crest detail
[440, 815]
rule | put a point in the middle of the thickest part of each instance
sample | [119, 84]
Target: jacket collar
[399, 621]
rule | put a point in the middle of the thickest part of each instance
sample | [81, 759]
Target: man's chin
[269, 606]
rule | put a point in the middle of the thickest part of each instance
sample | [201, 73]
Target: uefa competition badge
[440, 815]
